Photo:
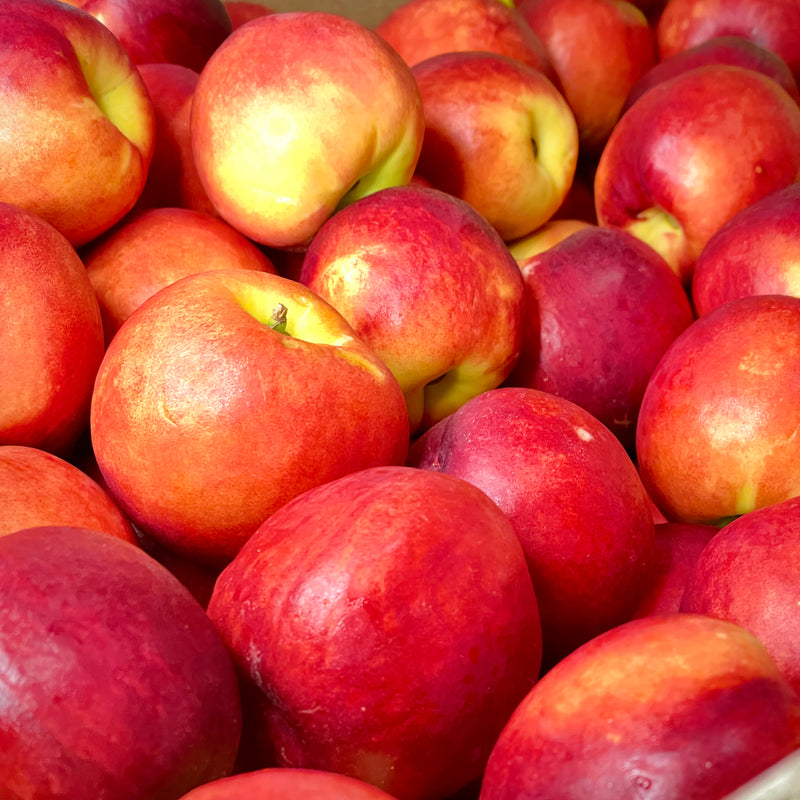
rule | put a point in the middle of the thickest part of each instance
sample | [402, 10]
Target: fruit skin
[241, 11]
[285, 130]
[151, 249]
[205, 420]
[119, 686]
[71, 97]
[430, 286]
[51, 337]
[572, 494]
[693, 151]
[601, 310]
[757, 251]
[482, 112]
[346, 614]
[598, 49]
[772, 24]
[748, 574]
[675, 706]
[421, 29]
[285, 783]
[172, 180]
[678, 546]
[732, 50]
[185, 32]
[715, 436]
[39, 489]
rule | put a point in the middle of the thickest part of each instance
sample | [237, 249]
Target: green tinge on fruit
[118, 91]
[396, 169]
[745, 499]
[661, 231]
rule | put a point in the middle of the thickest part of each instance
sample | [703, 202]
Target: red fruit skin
[185, 32]
[573, 496]
[773, 24]
[716, 431]
[285, 783]
[665, 707]
[385, 627]
[756, 252]
[38, 488]
[733, 50]
[678, 546]
[748, 574]
[422, 29]
[700, 146]
[115, 684]
[601, 310]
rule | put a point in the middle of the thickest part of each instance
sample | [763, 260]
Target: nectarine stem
[278, 319]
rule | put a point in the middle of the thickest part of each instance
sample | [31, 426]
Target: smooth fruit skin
[756, 252]
[692, 152]
[716, 431]
[172, 180]
[748, 574]
[430, 286]
[386, 626]
[285, 130]
[678, 546]
[573, 495]
[599, 49]
[205, 419]
[78, 130]
[116, 685]
[675, 707]
[38, 488]
[286, 783]
[732, 50]
[499, 135]
[51, 337]
[772, 24]
[243, 11]
[601, 310]
[150, 249]
[421, 29]
[185, 32]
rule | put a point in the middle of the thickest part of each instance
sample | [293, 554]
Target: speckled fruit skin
[78, 129]
[385, 626]
[155, 247]
[499, 135]
[674, 707]
[756, 252]
[571, 492]
[693, 151]
[116, 683]
[601, 310]
[51, 338]
[748, 574]
[38, 488]
[421, 29]
[205, 419]
[430, 286]
[297, 114]
[716, 431]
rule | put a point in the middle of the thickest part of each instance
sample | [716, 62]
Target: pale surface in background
[368, 12]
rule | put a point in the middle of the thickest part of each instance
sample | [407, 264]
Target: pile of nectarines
[401, 408]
